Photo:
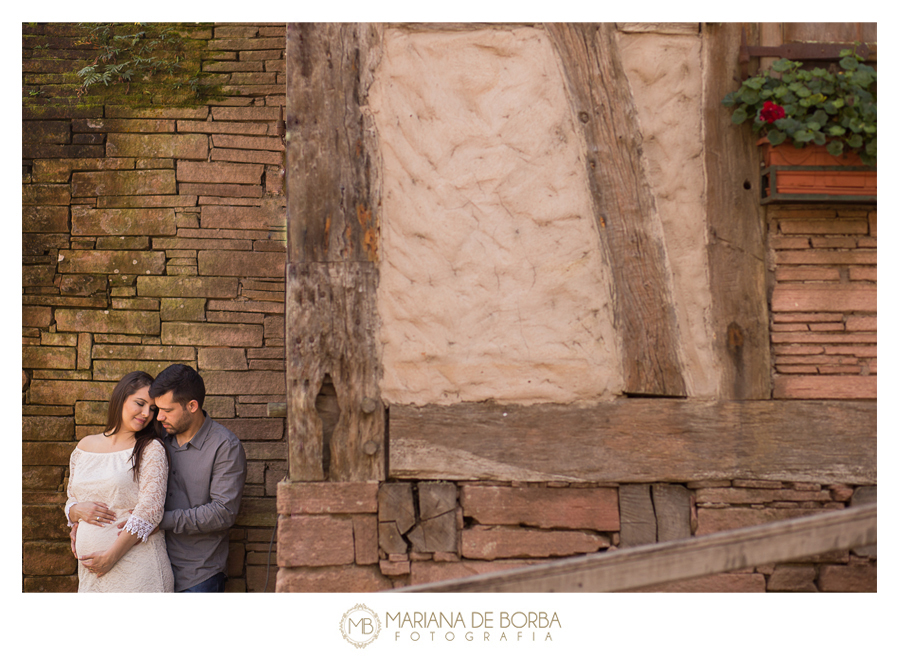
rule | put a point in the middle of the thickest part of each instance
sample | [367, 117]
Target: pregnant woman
[120, 476]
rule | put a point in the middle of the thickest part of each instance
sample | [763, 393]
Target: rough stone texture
[492, 284]
[848, 578]
[720, 520]
[483, 543]
[48, 559]
[315, 541]
[120, 322]
[120, 145]
[431, 572]
[595, 509]
[131, 221]
[327, 497]
[116, 183]
[792, 579]
[332, 579]
[208, 333]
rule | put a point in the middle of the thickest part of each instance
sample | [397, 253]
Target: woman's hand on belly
[91, 512]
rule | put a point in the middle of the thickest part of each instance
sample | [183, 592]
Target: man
[207, 468]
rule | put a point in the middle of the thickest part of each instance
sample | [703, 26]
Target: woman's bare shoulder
[93, 443]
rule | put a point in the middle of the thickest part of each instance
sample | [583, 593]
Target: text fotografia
[480, 626]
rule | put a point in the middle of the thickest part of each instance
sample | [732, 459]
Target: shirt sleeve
[225, 488]
[152, 481]
[71, 500]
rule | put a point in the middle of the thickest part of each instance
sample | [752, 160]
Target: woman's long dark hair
[128, 385]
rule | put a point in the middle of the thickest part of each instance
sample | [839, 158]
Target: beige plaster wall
[492, 283]
[666, 78]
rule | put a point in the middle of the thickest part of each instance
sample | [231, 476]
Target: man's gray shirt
[206, 479]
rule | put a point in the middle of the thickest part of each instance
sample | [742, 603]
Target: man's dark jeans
[212, 584]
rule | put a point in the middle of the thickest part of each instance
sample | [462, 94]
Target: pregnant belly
[96, 539]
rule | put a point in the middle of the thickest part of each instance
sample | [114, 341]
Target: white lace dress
[106, 477]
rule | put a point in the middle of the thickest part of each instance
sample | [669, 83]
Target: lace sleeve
[152, 482]
[73, 458]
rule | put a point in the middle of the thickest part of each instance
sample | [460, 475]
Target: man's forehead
[166, 399]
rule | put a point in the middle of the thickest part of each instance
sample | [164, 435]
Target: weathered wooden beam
[331, 192]
[737, 234]
[646, 566]
[335, 415]
[624, 206]
[638, 440]
[331, 332]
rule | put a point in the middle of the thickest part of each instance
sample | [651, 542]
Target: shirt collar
[199, 438]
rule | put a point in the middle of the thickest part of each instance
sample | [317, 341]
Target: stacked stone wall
[365, 537]
[153, 232]
[824, 297]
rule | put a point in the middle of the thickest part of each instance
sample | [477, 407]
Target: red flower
[771, 112]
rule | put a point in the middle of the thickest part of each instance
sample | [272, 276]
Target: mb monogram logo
[360, 626]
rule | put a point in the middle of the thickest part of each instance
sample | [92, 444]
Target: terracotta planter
[814, 171]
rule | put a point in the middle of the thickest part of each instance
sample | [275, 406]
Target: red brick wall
[823, 318]
[152, 234]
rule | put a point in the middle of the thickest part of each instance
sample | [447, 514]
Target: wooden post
[737, 232]
[332, 249]
[624, 207]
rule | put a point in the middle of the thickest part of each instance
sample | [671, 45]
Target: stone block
[108, 322]
[221, 358]
[38, 275]
[257, 511]
[54, 392]
[123, 221]
[242, 217]
[113, 371]
[219, 408]
[787, 578]
[258, 382]
[48, 428]
[187, 286]
[221, 127]
[422, 573]
[46, 132]
[223, 191]
[252, 157]
[332, 579]
[62, 358]
[848, 578]
[256, 429]
[485, 543]
[195, 244]
[47, 452]
[55, 584]
[365, 538]
[248, 143]
[45, 219]
[45, 195]
[124, 125]
[182, 309]
[327, 497]
[207, 333]
[719, 520]
[42, 478]
[189, 146]
[216, 172]
[169, 353]
[266, 450]
[315, 541]
[242, 263]
[825, 387]
[824, 297]
[247, 113]
[44, 522]
[91, 412]
[36, 316]
[595, 509]
[121, 183]
[48, 558]
[112, 262]
[82, 284]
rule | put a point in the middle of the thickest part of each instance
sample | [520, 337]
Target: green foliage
[835, 108]
[136, 52]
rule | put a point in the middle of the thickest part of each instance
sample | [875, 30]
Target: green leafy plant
[124, 54]
[834, 108]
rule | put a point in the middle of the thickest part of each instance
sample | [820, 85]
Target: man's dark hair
[184, 382]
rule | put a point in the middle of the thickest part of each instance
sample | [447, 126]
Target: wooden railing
[655, 564]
